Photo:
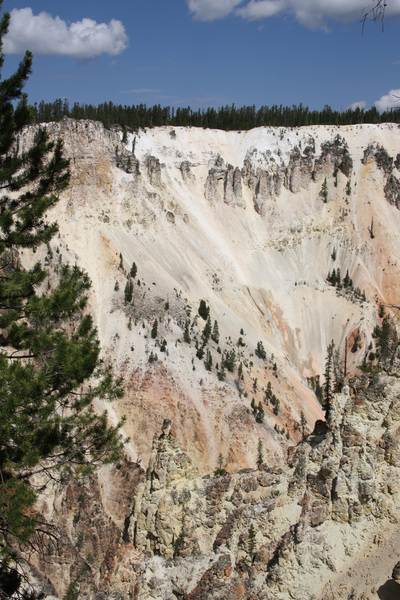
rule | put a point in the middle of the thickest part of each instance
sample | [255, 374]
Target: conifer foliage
[50, 368]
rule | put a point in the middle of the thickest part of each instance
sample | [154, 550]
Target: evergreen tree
[347, 282]
[208, 361]
[303, 424]
[204, 310]
[221, 373]
[333, 278]
[133, 270]
[328, 386]
[154, 329]
[324, 191]
[215, 333]
[260, 351]
[206, 331]
[240, 375]
[338, 279]
[260, 454]
[268, 393]
[259, 413]
[128, 292]
[387, 343]
[200, 352]
[186, 334]
[230, 360]
[50, 367]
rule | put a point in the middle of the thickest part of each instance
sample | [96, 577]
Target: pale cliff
[236, 219]
[251, 222]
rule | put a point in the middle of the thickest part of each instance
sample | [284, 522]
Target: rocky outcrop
[334, 157]
[264, 279]
[185, 169]
[386, 163]
[273, 533]
[81, 529]
[153, 167]
[265, 533]
[265, 183]
[392, 190]
[223, 184]
[302, 168]
[299, 171]
[349, 483]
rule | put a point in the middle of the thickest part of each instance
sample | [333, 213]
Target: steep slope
[251, 222]
[326, 528]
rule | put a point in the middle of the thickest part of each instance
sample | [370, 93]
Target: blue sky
[207, 52]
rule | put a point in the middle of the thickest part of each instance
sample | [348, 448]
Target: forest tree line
[227, 117]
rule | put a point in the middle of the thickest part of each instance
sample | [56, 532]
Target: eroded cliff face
[325, 526]
[252, 223]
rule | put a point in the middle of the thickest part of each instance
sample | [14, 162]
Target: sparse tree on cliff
[204, 310]
[215, 333]
[324, 191]
[50, 370]
[303, 424]
[128, 291]
[154, 329]
[328, 386]
[260, 454]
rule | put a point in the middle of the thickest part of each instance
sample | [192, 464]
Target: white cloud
[210, 10]
[390, 100]
[361, 104]
[310, 13]
[44, 34]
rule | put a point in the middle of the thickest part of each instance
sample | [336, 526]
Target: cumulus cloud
[44, 34]
[390, 100]
[361, 104]
[310, 13]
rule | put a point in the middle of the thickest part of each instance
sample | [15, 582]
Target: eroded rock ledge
[273, 533]
[325, 527]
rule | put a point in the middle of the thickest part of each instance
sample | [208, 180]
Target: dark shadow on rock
[389, 591]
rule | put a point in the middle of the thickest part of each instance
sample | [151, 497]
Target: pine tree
[240, 375]
[260, 351]
[133, 270]
[260, 454]
[215, 333]
[50, 367]
[128, 291]
[206, 331]
[229, 360]
[208, 361]
[324, 191]
[268, 393]
[221, 373]
[338, 279]
[204, 310]
[186, 334]
[303, 424]
[328, 386]
[154, 329]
